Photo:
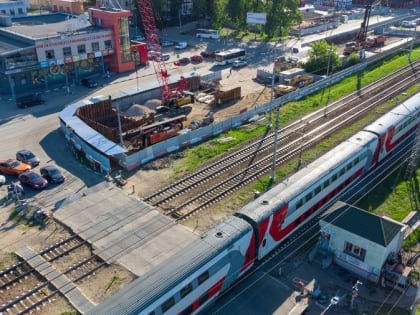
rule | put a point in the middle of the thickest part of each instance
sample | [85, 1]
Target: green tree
[220, 14]
[352, 59]
[236, 10]
[281, 15]
[323, 58]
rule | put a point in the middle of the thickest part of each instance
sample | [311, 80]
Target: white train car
[189, 282]
[397, 126]
[280, 211]
[285, 207]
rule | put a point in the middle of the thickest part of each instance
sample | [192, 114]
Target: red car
[196, 58]
[34, 180]
[13, 167]
[208, 54]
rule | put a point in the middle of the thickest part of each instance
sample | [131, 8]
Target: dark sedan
[52, 174]
[33, 180]
[89, 83]
[27, 157]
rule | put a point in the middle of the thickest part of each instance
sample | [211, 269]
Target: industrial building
[40, 51]
[366, 244]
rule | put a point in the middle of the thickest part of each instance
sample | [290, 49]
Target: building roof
[9, 44]
[49, 25]
[370, 226]
[88, 134]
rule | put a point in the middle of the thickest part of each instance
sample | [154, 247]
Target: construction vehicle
[375, 41]
[169, 97]
[282, 89]
[293, 84]
[359, 42]
[300, 80]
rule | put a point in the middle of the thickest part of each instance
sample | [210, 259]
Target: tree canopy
[323, 58]
[281, 14]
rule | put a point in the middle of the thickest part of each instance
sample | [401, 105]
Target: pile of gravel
[138, 110]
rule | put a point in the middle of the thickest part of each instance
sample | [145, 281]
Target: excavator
[298, 81]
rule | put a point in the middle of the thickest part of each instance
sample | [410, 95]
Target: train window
[202, 299]
[326, 183]
[299, 203]
[317, 190]
[334, 177]
[203, 277]
[308, 197]
[356, 161]
[188, 310]
[152, 313]
[168, 304]
[349, 166]
[185, 290]
[342, 171]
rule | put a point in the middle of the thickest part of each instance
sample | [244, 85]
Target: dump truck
[375, 41]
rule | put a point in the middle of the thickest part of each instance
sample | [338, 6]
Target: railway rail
[212, 183]
[308, 234]
[208, 185]
[27, 289]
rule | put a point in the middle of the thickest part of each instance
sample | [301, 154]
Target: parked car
[184, 61]
[27, 157]
[33, 180]
[181, 45]
[208, 54]
[239, 63]
[13, 167]
[167, 43]
[52, 174]
[166, 57]
[29, 100]
[196, 58]
[89, 83]
[409, 24]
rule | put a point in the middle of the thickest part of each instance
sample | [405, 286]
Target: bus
[225, 57]
[207, 33]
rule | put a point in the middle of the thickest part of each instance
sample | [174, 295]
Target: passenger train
[191, 281]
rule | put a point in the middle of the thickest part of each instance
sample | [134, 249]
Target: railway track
[23, 288]
[214, 182]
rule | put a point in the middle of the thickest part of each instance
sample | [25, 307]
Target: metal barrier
[194, 137]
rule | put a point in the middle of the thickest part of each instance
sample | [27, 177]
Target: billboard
[256, 18]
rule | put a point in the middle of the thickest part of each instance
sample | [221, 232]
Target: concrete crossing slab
[58, 280]
[123, 229]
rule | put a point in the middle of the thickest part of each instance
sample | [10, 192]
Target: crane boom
[154, 47]
[361, 35]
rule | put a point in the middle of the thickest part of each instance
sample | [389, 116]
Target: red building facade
[118, 20]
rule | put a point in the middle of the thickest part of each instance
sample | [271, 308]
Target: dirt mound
[153, 103]
[138, 110]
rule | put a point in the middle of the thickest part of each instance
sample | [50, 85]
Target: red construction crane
[154, 47]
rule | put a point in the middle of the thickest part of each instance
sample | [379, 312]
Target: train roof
[394, 116]
[272, 200]
[146, 289]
